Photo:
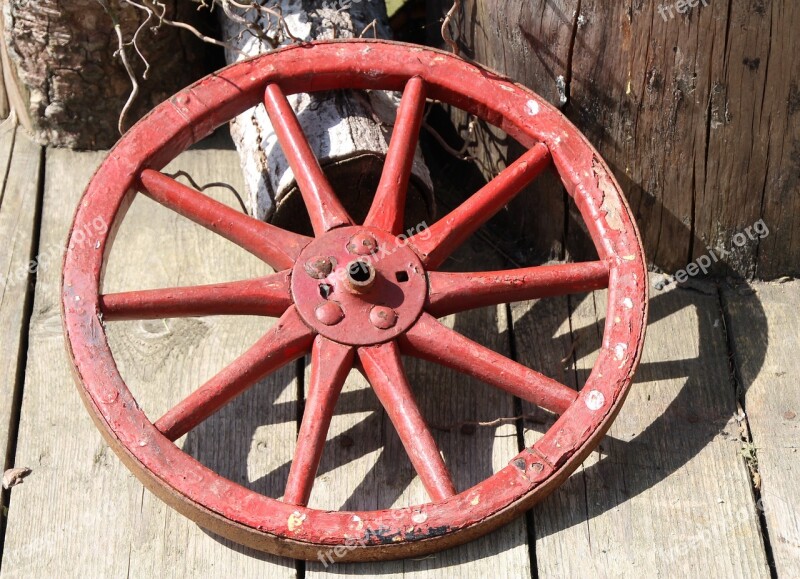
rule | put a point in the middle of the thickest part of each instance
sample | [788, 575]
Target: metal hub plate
[400, 285]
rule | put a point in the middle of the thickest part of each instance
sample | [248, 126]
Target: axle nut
[360, 276]
[329, 313]
[382, 317]
[362, 244]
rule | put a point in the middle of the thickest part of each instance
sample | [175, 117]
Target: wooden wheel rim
[271, 525]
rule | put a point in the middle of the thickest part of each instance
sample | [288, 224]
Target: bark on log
[348, 130]
[695, 110]
[4, 108]
[73, 86]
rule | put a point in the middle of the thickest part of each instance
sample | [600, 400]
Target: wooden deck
[699, 475]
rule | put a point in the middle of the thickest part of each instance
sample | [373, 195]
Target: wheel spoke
[384, 369]
[436, 243]
[324, 208]
[276, 246]
[330, 363]
[451, 293]
[430, 340]
[264, 296]
[390, 198]
[287, 340]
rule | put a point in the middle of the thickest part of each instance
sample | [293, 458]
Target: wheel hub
[359, 286]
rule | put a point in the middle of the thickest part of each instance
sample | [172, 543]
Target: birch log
[348, 130]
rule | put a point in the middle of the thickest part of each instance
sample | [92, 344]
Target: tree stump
[72, 86]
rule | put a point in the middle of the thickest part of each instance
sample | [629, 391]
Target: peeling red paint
[288, 527]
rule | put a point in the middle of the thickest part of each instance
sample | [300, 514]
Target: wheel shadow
[236, 429]
[387, 480]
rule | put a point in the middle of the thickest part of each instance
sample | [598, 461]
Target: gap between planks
[19, 214]
[764, 333]
[667, 492]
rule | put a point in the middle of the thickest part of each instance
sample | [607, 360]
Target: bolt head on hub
[362, 244]
[319, 267]
[329, 313]
[382, 317]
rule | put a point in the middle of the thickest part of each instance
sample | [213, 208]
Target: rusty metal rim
[271, 525]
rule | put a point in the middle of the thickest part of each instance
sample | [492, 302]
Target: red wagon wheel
[355, 292]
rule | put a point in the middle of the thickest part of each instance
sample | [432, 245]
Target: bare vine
[273, 26]
[215, 184]
[135, 83]
[446, 36]
[470, 426]
[371, 26]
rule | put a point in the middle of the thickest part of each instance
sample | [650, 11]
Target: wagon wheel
[355, 293]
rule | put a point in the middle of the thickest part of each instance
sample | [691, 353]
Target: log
[72, 86]
[695, 109]
[4, 107]
[348, 130]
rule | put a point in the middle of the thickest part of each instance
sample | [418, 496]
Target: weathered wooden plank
[752, 141]
[768, 378]
[19, 163]
[543, 341]
[248, 440]
[365, 465]
[81, 509]
[694, 108]
[55, 434]
[668, 492]
[778, 254]
[6, 145]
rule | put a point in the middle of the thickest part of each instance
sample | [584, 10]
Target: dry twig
[134, 83]
[469, 427]
[372, 25]
[202, 188]
[274, 12]
[446, 36]
[13, 476]
[162, 19]
[461, 153]
[566, 361]
[135, 40]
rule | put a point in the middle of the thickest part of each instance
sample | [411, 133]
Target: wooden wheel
[355, 292]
